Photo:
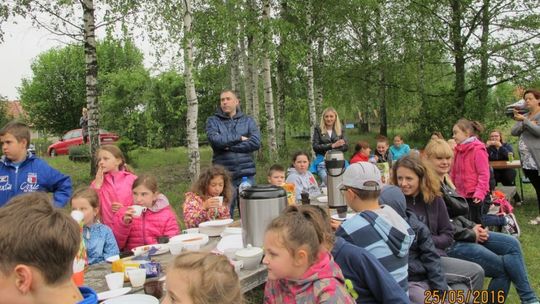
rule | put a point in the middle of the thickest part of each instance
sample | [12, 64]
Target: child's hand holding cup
[220, 200]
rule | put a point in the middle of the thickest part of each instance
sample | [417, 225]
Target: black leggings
[507, 177]
[532, 175]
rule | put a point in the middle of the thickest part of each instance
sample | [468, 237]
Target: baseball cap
[357, 174]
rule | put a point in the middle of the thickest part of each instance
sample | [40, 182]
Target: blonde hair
[438, 148]
[297, 227]
[337, 124]
[430, 185]
[117, 153]
[211, 278]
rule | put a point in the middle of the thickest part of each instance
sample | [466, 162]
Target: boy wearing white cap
[378, 229]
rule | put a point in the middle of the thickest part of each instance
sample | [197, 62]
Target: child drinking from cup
[300, 269]
[202, 277]
[98, 238]
[150, 217]
[113, 183]
[209, 197]
[300, 176]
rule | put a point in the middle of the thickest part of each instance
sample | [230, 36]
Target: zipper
[143, 227]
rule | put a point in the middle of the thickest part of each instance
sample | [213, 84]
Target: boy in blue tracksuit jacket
[22, 172]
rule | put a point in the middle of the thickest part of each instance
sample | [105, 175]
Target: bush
[41, 145]
[126, 145]
[79, 153]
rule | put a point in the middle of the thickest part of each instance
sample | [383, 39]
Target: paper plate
[337, 218]
[231, 231]
[190, 238]
[113, 293]
[161, 249]
[216, 223]
[133, 299]
[112, 258]
[230, 242]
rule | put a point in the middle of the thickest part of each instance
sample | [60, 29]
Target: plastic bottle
[243, 185]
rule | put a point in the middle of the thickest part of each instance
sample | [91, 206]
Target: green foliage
[4, 117]
[126, 145]
[79, 153]
[41, 145]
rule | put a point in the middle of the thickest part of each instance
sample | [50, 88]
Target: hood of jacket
[473, 144]
[323, 268]
[160, 203]
[392, 196]
[6, 161]
[219, 113]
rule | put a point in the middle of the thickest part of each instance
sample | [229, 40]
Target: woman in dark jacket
[498, 150]
[328, 135]
[421, 187]
[499, 254]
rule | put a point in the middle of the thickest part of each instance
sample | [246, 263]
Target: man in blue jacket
[22, 172]
[233, 136]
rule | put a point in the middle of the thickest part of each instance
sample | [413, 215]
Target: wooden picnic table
[94, 276]
[503, 164]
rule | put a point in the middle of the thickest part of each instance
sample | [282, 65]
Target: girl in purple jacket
[470, 170]
[157, 218]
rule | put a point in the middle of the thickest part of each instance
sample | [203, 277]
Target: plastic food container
[250, 256]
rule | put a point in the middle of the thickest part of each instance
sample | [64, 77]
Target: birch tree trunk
[310, 80]
[253, 66]
[268, 96]
[90, 58]
[382, 64]
[192, 102]
[281, 80]
[235, 68]
[319, 88]
[248, 99]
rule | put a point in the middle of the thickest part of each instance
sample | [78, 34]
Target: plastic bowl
[214, 228]
[250, 256]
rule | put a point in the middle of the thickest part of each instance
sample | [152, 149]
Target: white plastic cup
[176, 247]
[115, 280]
[324, 190]
[138, 210]
[137, 277]
[220, 198]
[192, 247]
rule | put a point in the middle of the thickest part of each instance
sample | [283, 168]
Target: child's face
[108, 162]
[459, 135]
[366, 151]
[177, 287]
[279, 261]
[397, 141]
[83, 205]
[144, 196]
[382, 147]
[301, 164]
[12, 148]
[215, 187]
[277, 178]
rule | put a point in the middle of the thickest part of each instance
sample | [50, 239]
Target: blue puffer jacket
[224, 134]
[33, 174]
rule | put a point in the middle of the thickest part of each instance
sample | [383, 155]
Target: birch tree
[310, 80]
[192, 110]
[267, 75]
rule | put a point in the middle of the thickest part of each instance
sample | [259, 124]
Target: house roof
[15, 109]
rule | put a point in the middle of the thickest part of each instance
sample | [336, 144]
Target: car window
[68, 135]
[76, 133]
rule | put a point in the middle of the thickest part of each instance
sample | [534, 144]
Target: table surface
[94, 276]
[502, 164]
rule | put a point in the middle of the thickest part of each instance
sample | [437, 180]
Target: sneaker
[511, 225]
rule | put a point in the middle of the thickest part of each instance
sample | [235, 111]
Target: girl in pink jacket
[209, 197]
[157, 218]
[113, 182]
[470, 171]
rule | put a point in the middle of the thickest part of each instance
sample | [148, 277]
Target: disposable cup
[137, 277]
[115, 280]
[220, 198]
[138, 210]
[176, 247]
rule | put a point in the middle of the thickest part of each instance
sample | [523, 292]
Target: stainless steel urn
[259, 205]
[335, 167]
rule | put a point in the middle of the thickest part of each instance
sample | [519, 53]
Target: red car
[74, 138]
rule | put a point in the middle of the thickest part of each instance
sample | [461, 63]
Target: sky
[22, 44]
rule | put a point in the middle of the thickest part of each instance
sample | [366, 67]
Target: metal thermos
[335, 167]
[259, 205]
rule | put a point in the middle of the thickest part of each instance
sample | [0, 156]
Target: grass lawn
[170, 167]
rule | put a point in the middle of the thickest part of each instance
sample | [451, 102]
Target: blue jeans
[321, 172]
[502, 260]
[235, 201]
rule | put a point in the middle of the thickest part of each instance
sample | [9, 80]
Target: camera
[519, 106]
